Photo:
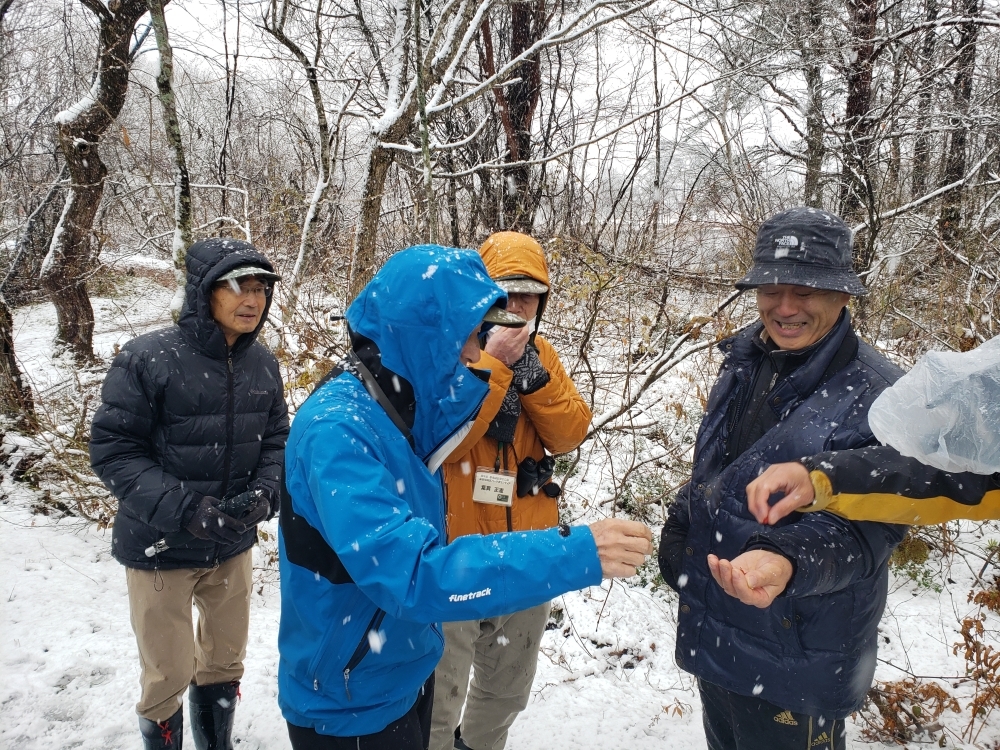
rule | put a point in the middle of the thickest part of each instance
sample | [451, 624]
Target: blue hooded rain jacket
[366, 583]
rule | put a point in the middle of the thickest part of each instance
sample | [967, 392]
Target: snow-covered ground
[606, 679]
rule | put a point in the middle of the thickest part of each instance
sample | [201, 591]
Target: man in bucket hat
[779, 623]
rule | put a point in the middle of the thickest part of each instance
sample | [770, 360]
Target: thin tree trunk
[517, 103]
[430, 208]
[16, 400]
[895, 151]
[366, 236]
[22, 276]
[183, 235]
[274, 24]
[922, 144]
[69, 260]
[856, 188]
[812, 29]
[231, 79]
[950, 220]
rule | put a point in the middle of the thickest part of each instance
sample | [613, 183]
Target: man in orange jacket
[498, 480]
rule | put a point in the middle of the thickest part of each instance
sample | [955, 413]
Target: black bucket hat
[805, 247]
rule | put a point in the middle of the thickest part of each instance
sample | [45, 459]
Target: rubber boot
[459, 742]
[163, 735]
[212, 710]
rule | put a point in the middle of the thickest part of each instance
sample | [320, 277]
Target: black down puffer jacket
[184, 416]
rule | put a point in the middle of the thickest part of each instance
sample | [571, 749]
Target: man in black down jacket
[783, 638]
[189, 439]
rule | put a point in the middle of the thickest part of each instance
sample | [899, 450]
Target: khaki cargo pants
[172, 655]
[502, 653]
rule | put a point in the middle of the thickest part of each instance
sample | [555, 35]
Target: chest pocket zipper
[364, 646]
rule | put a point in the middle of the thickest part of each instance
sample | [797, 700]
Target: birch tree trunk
[69, 260]
[182, 184]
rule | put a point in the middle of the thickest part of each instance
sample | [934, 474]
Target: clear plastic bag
[945, 412]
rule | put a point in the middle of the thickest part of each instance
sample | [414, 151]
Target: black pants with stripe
[412, 731]
[738, 722]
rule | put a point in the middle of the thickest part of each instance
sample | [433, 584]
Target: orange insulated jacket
[554, 418]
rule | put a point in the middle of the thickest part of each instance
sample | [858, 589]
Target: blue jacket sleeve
[398, 559]
[121, 450]
[829, 552]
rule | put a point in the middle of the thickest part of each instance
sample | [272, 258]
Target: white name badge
[494, 487]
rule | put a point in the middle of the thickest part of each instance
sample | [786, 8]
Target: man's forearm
[879, 484]
[829, 553]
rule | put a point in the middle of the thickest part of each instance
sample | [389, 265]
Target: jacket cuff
[759, 542]
[822, 491]
[580, 547]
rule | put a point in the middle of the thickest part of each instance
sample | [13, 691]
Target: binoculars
[533, 476]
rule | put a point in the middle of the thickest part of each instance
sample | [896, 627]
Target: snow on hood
[420, 309]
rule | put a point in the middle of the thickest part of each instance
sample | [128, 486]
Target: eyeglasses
[249, 288]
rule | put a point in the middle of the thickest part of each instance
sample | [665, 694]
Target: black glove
[238, 506]
[258, 512]
[250, 507]
[530, 374]
[211, 524]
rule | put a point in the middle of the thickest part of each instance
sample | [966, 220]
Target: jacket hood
[208, 260]
[508, 254]
[419, 311]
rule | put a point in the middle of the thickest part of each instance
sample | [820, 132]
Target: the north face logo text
[472, 595]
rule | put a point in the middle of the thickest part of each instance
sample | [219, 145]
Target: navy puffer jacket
[183, 416]
[814, 649]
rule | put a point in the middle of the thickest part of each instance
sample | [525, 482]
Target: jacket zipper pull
[774, 378]
[230, 361]
[347, 676]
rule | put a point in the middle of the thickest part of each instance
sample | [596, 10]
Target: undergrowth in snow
[606, 676]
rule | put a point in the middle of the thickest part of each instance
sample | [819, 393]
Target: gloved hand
[257, 512]
[211, 524]
[239, 505]
[529, 373]
[245, 504]
[249, 507]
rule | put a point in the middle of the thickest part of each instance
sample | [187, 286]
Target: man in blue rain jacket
[365, 573]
